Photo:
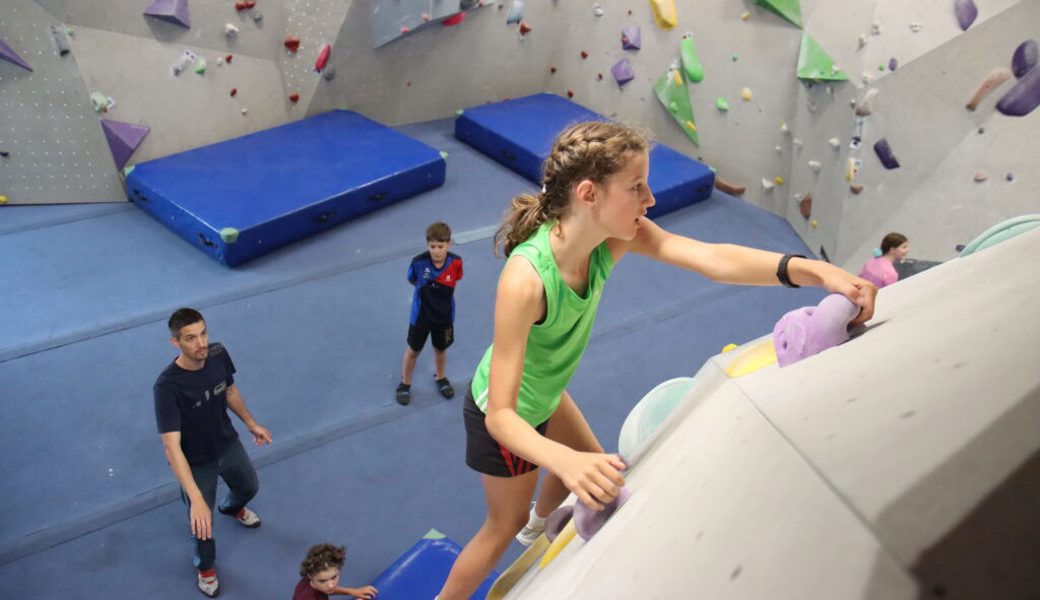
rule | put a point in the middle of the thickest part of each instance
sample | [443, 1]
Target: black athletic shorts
[442, 337]
[483, 453]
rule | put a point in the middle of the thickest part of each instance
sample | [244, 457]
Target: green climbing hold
[735, 58]
[791, 10]
[816, 65]
[722, 105]
[433, 534]
[444, 155]
[673, 93]
[458, 113]
[128, 170]
[229, 235]
[200, 66]
[690, 62]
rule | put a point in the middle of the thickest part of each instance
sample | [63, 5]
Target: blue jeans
[237, 471]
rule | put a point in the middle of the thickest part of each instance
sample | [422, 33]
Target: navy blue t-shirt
[195, 404]
[433, 303]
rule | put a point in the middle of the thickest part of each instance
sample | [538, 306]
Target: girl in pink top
[881, 271]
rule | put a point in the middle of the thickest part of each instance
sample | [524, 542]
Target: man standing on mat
[192, 396]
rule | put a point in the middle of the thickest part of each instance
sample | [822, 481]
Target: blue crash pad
[519, 134]
[285, 183]
[422, 569]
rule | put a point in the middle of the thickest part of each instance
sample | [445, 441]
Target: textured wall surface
[432, 70]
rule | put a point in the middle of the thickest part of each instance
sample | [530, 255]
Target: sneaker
[534, 528]
[444, 387]
[404, 394]
[208, 583]
[248, 518]
[529, 534]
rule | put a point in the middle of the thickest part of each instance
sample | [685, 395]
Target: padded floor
[317, 332]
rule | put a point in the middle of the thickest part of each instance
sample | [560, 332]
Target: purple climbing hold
[557, 520]
[630, 38]
[123, 139]
[893, 64]
[7, 53]
[884, 154]
[1024, 97]
[810, 330]
[622, 72]
[966, 13]
[1025, 58]
[588, 522]
[171, 11]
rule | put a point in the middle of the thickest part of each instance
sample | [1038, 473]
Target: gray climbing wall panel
[392, 19]
[315, 23]
[58, 152]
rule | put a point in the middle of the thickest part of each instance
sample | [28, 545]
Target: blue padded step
[276, 186]
[422, 569]
[519, 134]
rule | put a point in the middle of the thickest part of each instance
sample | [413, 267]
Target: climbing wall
[311, 27]
[54, 145]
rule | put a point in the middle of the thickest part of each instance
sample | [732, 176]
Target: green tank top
[554, 346]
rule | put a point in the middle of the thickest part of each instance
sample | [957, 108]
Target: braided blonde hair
[592, 150]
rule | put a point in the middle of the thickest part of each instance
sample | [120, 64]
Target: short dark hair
[321, 557]
[438, 232]
[182, 317]
[892, 240]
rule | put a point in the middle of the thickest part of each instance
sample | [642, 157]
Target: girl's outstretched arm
[729, 263]
[519, 303]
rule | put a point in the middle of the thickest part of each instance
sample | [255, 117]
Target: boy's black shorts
[483, 453]
[442, 337]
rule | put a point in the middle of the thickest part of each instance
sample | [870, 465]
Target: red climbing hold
[599, 76]
[228, 58]
[294, 98]
[406, 30]
[552, 70]
[584, 55]
[234, 92]
[292, 43]
[323, 58]
[455, 19]
[524, 28]
[240, 6]
[570, 94]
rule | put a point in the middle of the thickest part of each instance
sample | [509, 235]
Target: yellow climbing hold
[744, 16]
[515, 571]
[758, 356]
[3, 199]
[746, 94]
[779, 180]
[676, 77]
[814, 223]
[729, 348]
[690, 125]
[664, 13]
[562, 539]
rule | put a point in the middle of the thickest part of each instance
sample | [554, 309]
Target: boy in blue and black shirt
[434, 274]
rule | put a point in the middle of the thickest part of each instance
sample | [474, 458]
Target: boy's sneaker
[404, 394]
[248, 518]
[444, 387]
[208, 583]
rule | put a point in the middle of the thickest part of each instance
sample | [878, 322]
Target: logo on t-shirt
[219, 389]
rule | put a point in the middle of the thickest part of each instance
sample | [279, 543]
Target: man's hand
[201, 520]
[260, 433]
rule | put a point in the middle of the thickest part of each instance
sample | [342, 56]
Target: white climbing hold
[834, 142]
[230, 30]
[767, 185]
[796, 142]
[815, 166]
